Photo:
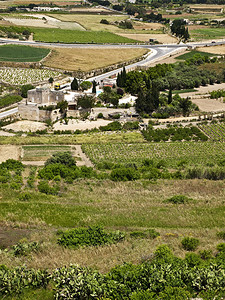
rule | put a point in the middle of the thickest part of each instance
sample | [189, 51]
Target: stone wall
[33, 113]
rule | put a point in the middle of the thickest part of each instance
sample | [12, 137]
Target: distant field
[73, 36]
[91, 22]
[144, 37]
[190, 54]
[19, 53]
[73, 59]
[214, 49]
[207, 33]
[174, 152]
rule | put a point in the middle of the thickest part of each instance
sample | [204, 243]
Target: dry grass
[88, 59]
[9, 151]
[126, 206]
[161, 38]
[147, 26]
[214, 49]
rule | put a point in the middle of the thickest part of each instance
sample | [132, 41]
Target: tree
[94, 84]
[85, 85]
[25, 88]
[185, 104]
[51, 80]
[85, 101]
[62, 106]
[74, 85]
[64, 158]
[170, 98]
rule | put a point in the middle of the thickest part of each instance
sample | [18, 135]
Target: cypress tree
[170, 98]
[74, 85]
[94, 87]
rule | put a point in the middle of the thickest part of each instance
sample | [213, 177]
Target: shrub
[205, 254]
[163, 252]
[174, 293]
[124, 174]
[24, 248]
[12, 165]
[221, 235]
[193, 259]
[45, 188]
[179, 199]
[143, 295]
[100, 116]
[221, 247]
[64, 158]
[190, 243]
[92, 236]
[25, 196]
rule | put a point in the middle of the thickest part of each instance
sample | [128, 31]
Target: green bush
[221, 235]
[24, 248]
[190, 243]
[64, 158]
[92, 236]
[124, 174]
[45, 188]
[143, 295]
[205, 254]
[193, 259]
[25, 196]
[179, 199]
[221, 247]
[174, 293]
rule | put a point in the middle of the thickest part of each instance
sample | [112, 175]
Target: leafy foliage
[179, 199]
[24, 248]
[190, 243]
[92, 236]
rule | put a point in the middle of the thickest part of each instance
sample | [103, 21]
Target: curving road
[157, 52]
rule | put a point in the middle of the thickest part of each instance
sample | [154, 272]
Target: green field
[75, 36]
[192, 53]
[173, 152]
[207, 33]
[215, 131]
[19, 53]
[39, 153]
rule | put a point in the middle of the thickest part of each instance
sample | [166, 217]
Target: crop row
[194, 153]
[19, 76]
[215, 131]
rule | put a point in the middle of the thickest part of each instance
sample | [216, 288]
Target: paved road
[8, 113]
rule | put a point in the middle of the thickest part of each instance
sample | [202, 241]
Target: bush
[193, 259]
[174, 293]
[25, 196]
[179, 199]
[190, 243]
[12, 165]
[92, 236]
[45, 188]
[143, 295]
[205, 254]
[124, 174]
[164, 253]
[24, 248]
[100, 116]
[221, 235]
[221, 247]
[64, 158]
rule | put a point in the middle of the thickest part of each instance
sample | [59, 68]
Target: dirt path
[84, 159]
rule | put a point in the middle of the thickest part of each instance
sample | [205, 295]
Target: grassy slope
[22, 53]
[127, 206]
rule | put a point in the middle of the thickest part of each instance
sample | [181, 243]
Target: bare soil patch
[81, 125]
[161, 38]
[25, 126]
[147, 26]
[9, 152]
[11, 236]
[88, 59]
[214, 49]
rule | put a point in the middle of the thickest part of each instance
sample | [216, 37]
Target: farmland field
[190, 54]
[215, 131]
[39, 153]
[88, 59]
[75, 36]
[18, 53]
[172, 152]
[207, 33]
[18, 76]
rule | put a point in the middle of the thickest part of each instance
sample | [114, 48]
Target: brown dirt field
[88, 59]
[9, 151]
[209, 105]
[162, 38]
[214, 49]
[11, 236]
[209, 6]
[147, 26]
[26, 126]
[196, 27]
